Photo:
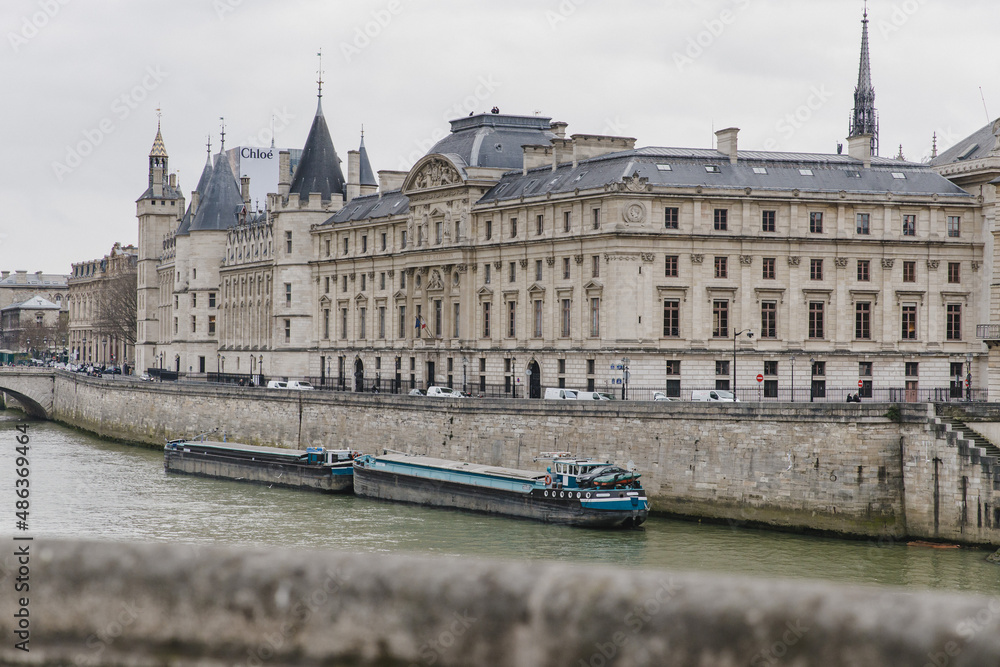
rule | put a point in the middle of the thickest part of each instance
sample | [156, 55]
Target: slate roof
[34, 303]
[319, 167]
[687, 168]
[367, 175]
[220, 202]
[206, 175]
[494, 140]
[977, 145]
[57, 279]
[390, 203]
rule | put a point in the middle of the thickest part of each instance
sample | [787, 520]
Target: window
[671, 217]
[326, 285]
[912, 369]
[486, 273]
[511, 319]
[512, 273]
[456, 320]
[815, 319]
[362, 322]
[595, 266]
[438, 232]
[595, 318]
[954, 226]
[806, 172]
[818, 386]
[815, 269]
[722, 368]
[673, 371]
[288, 242]
[343, 323]
[402, 239]
[721, 268]
[864, 270]
[345, 245]
[539, 224]
[957, 373]
[768, 319]
[194, 324]
[816, 222]
[565, 221]
[954, 272]
[760, 170]
[720, 318]
[671, 318]
[211, 325]
[364, 282]
[566, 267]
[326, 323]
[819, 368]
[865, 369]
[402, 279]
[288, 295]
[670, 266]
[489, 229]
[381, 280]
[486, 319]
[767, 223]
[909, 272]
[438, 318]
[402, 323]
[566, 306]
[721, 219]
[767, 268]
[909, 322]
[211, 299]
[597, 218]
[863, 320]
[364, 243]
[953, 327]
[384, 241]
[513, 227]
[909, 225]
[537, 318]
[538, 269]
[194, 299]
[175, 325]
[288, 331]
[863, 223]
[712, 169]
[176, 301]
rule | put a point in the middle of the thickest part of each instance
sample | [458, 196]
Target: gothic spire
[864, 118]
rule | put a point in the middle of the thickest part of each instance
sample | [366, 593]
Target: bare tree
[116, 307]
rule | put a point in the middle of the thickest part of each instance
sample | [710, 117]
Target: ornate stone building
[94, 336]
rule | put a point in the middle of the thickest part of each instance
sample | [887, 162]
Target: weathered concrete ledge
[158, 604]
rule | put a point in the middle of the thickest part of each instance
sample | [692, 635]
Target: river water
[83, 487]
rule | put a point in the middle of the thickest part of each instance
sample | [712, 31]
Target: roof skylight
[664, 167]
[760, 170]
[712, 169]
[898, 174]
[806, 172]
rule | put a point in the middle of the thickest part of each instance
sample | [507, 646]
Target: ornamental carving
[887, 262]
[391, 273]
[435, 282]
[496, 265]
[613, 258]
[634, 183]
[647, 256]
[523, 263]
[578, 259]
[975, 266]
[371, 275]
[436, 173]
[933, 264]
[697, 259]
[351, 276]
[461, 268]
[550, 261]
[421, 270]
[634, 214]
[746, 260]
[841, 262]
[793, 260]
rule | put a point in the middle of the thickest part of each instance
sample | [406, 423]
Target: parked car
[720, 395]
[593, 396]
[560, 394]
[660, 396]
[445, 392]
[298, 384]
[277, 384]
[417, 392]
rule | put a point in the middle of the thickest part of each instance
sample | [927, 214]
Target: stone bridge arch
[33, 389]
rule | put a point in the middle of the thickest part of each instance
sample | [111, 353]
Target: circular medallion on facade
[635, 213]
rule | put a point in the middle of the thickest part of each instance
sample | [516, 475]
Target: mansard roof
[319, 167]
[221, 202]
[977, 145]
[388, 204]
[494, 140]
[711, 170]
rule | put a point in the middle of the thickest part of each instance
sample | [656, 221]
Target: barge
[317, 468]
[572, 491]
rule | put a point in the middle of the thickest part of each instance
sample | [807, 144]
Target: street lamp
[513, 377]
[625, 363]
[737, 334]
[27, 349]
[812, 371]
[793, 378]
[45, 348]
[465, 364]
[968, 376]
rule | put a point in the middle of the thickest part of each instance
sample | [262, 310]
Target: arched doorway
[534, 380]
[359, 375]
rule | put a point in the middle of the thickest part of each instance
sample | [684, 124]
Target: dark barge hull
[256, 470]
[385, 485]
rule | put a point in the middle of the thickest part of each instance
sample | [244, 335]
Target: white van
[296, 384]
[720, 395]
[560, 394]
[444, 392]
[592, 396]
[277, 384]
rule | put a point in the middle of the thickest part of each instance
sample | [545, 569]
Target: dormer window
[712, 169]
[898, 175]
[663, 167]
[806, 172]
[760, 170]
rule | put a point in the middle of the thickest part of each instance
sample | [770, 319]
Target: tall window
[597, 218]
[288, 242]
[381, 322]
[211, 325]
[486, 319]
[595, 317]
[566, 305]
[536, 309]
[671, 217]
[767, 268]
[953, 329]
[326, 323]
[768, 319]
[909, 322]
[909, 272]
[512, 271]
[364, 243]
[863, 320]
[864, 270]
[438, 231]
[671, 318]
[566, 267]
[767, 223]
[721, 219]
[720, 318]
[402, 239]
[815, 269]
[721, 268]
[456, 320]
[539, 224]
[384, 240]
[513, 227]
[402, 279]
[954, 226]
[565, 221]
[909, 225]
[362, 322]
[864, 223]
[511, 319]
[343, 323]
[486, 273]
[364, 282]
[489, 229]
[816, 222]
[722, 375]
[538, 269]
[345, 245]
[670, 266]
[954, 272]
[673, 372]
[402, 323]
[815, 319]
[343, 284]
[288, 331]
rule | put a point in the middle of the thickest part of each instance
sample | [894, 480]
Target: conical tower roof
[158, 149]
[319, 167]
[206, 177]
[367, 176]
[221, 201]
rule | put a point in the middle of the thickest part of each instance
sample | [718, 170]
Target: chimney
[353, 174]
[726, 142]
[586, 146]
[284, 173]
[195, 199]
[245, 189]
[173, 180]
[860, 148]
[562, 151]
[158, 180]
[389, 180]
[559, 128]
[536, 156]
[4, 275]
[38, 276]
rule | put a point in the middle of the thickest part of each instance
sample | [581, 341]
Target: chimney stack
[726, 142]
[559, 128]
[284, 173]
[173, 180]
[245, 189]
[353, 174]
[860, 148]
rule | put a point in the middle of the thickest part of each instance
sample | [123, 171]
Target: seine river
[83, 487]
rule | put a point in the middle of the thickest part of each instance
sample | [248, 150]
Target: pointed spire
[934, 146]
[158, 159]
[319, 82]
[864, 119]
[222, 144]
[319, 169]
[367, 176]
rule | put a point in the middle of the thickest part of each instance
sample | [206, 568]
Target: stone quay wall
[822, 467]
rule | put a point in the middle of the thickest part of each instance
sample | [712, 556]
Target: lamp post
[625, 363]
[27, 348]
[968, 376]
[737, 334]
[513, 377]
[465, 364]
[45, 349]
[793, 378]
[812, 366]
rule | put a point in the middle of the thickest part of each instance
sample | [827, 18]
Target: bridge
[33, 388]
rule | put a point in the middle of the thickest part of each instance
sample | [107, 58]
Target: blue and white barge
[573, 491]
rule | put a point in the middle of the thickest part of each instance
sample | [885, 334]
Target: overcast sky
[83, 81]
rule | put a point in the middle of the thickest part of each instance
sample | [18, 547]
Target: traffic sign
[760, 378]
[861, 384]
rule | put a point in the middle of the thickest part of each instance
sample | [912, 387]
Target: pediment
[324, 300]
[485, 291]
[360, 297]
[399, 294]
[434, 171]
[536, 289]
[593, 286]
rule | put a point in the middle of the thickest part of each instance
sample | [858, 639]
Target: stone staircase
[972, 445]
